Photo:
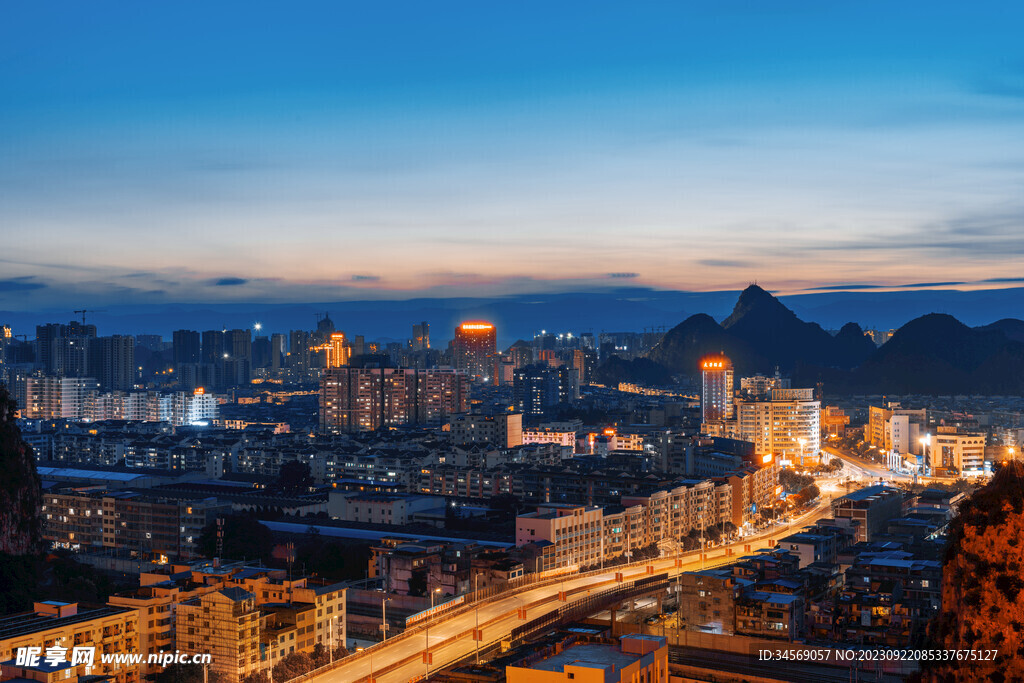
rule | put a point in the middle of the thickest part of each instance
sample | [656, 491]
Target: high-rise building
[716, 388]
[50, 397]
[786, 423]
[369, 396]
[186, 346]
[538, 388]
[338, 350]
[261, 352]
[213, 346]
[421, 336]
[112, 362]
[475, 341]
[278, 349]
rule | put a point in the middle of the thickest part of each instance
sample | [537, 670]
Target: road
[450, 636]
[862, 467]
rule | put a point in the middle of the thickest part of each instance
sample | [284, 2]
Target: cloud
[626, 276]
[931, 284]
[365, 278]
[229, 282]
[20, 284]
[725, 263]
[842, 287]
[1003, 279]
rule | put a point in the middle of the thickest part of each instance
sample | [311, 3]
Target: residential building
[370, 396]
[539, 388]
[504, 430]
[101, 629]
[636, 659]
[784, 423]
[227, 624]
[869, 509]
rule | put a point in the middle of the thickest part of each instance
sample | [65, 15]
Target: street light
[426, 652]
[384, 617]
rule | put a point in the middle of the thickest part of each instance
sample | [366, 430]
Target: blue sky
[326, 151]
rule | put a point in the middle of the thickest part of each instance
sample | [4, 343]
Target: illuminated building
[367, 397]
[136, 521]
[338, 352]
[110, 630]
[538, 388]
[52, 398]
[475, 341]
[716, 388]
[227, 624]
[786, 423]
[954, 451]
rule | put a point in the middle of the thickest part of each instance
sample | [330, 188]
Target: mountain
[937, 354]
[1011, 327]
[760, 335]
[20, 489]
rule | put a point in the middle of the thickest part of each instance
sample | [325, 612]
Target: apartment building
[60, 627]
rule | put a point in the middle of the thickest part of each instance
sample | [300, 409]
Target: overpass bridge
[486, 618]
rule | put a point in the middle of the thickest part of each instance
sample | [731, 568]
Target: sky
[153, 153]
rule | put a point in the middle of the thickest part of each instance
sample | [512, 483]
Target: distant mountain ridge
[932, 354]
[760, 335]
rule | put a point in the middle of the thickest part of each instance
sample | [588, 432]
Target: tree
[244, 538]
[792, 482]
[295, 477]
[983, 584]
[505, 502]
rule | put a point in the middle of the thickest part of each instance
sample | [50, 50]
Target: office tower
[370, 396]
[538, 388]
[716, 388]
[213, 346]
[185, 345]
[112, 362]
[421, 336]
[475, 341]
[358, 345]
[278, 343]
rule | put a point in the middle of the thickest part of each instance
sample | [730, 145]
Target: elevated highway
[451, 636]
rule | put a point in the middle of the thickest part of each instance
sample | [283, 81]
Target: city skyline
[477, 151]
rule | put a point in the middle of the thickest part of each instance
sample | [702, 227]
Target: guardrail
[513, 588]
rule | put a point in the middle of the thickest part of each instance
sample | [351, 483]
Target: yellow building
[57, 629]
[225, 624]
[636, 658]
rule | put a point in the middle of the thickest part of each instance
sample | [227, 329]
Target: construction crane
[83, 311]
